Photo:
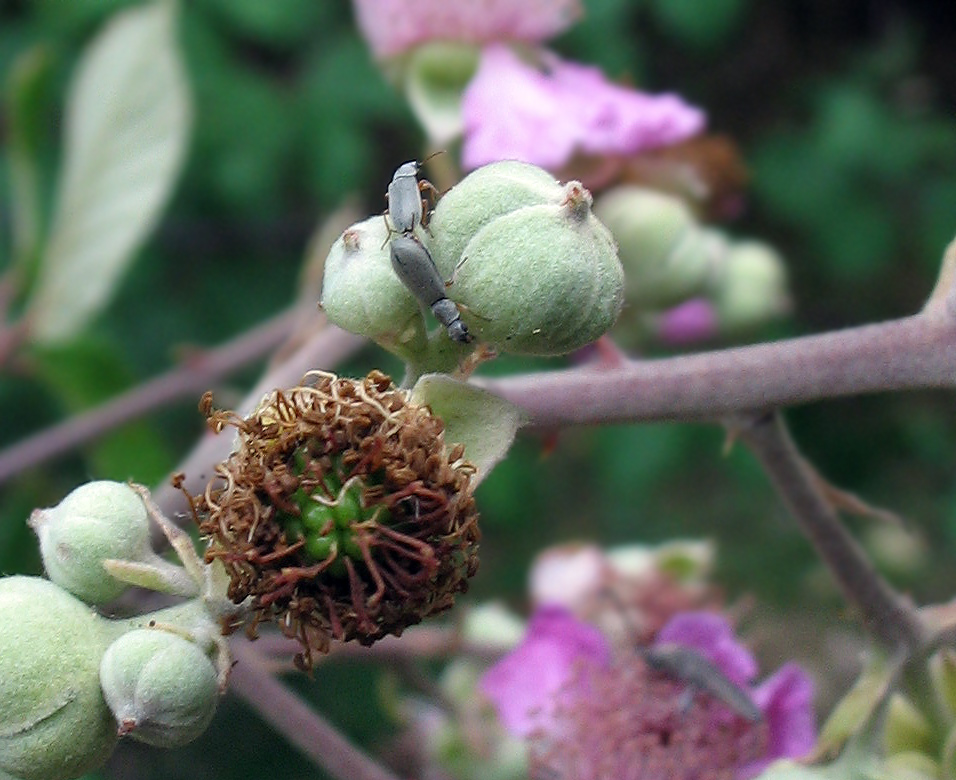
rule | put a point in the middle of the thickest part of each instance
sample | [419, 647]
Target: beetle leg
[430, 195]
[454, 273]
[389, 230]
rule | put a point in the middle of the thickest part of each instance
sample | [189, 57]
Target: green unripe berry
[97, 521]
[321, 547]
[161, 687]
[348, 510]
[316, 517]
[349, 546]
[54, 722]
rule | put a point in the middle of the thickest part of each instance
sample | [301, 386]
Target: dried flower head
[341, 512]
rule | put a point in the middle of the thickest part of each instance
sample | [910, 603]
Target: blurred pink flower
[581, 705]
[391, 26]
[567, 575]
[525, 685]
[513, 110]
[786, 699]
[688, 322]
[712, 637]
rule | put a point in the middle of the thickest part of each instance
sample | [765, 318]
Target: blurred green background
[844, 112]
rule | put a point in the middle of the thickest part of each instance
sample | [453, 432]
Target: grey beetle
[406, 206]
[689, 666]
[415, 267]
[696, 671]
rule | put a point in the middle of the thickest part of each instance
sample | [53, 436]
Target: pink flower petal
[391, 26]
[711, 635]
[786, 699]
[689, 322]
[566, 575]
[512, 110]
[525, 684]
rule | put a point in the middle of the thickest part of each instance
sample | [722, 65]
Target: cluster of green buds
[670, 257]
[532, 270]
[341, 514]
[72, 681]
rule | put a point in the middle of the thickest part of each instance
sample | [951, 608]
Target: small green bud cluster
[530, 268]
[670, 257]
[72, 681]
[326, 516]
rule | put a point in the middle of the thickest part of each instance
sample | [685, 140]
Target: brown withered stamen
[414, 552]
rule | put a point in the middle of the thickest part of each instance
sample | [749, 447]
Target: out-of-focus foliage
[844, 112]
[125, 129]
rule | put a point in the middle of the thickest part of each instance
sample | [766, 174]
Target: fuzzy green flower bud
[667, 256]
[481, 197]
[362, 294]
[542, 280]
[161, 687]
[97, 521]
[54, 722]
[534, 271]
[750, 286]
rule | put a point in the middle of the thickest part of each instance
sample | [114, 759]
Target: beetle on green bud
[96, 522]
[161, 687]
[54, 723]
[530, 268]
[362, 294]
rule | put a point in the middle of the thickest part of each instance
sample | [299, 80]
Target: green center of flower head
[331, 516]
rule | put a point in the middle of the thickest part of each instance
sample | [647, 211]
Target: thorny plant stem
[892, 619]
[913, 353]
[252, 680]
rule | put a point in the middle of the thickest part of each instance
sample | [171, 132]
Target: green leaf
[484, 423]
[856, 714]
[700, 24]
[127, 123]
[26, 90]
